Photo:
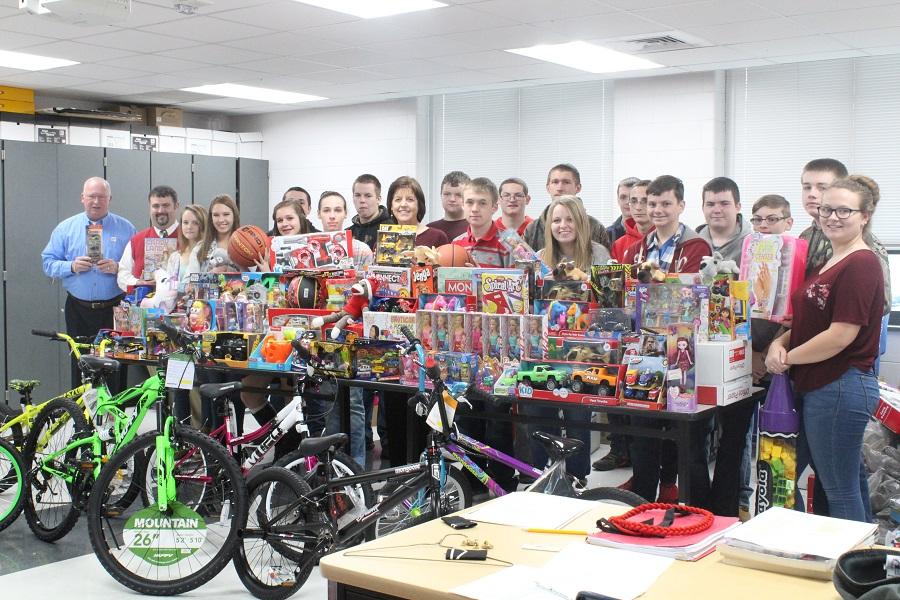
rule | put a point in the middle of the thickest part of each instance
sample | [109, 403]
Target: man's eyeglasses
[842, 212]
[637, 202]
[518, 196]
[771, 219]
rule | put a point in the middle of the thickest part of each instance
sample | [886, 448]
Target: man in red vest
[164, 224]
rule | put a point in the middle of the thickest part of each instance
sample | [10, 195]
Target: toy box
[503, 293]
[888, 409]
[386, 326]
[273, 353]
[494, 345]
[720, 362]
[128, 319]
[511, 328]
[487, 372]
[375, 359]
[645, 377]
[455, 280]
[725, 393]
[721, 313]
[594, 351]
[505, 385]
[230, 348]
[334, 356]
[391, 282]
[394, 245]
[457, 368]
[535, 337]
[424, 280]
[474, 323]
[606, 322]
[776, 266]
[575, 383]
[440, 323]
[336, 291]
[312, 251]
[563, 316]
[608, 282]
[662, 304]
[425, 329]
[294, 317]
[458, 338]
[682, 358]
[446, 302]
[578, 291]
[395, 305]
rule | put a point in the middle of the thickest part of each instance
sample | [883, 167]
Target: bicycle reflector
[432, 369]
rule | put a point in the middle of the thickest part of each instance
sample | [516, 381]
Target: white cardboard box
[225, 136]
[115, 138]
[198, 146]
[19, 132]
[171, 131]
[725, 393]
[84, 136]
[719, 362]
[250, 150]
[199, 134]
[172, 143]
[250, 136]
[220, 148]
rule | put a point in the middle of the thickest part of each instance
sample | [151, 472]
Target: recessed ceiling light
[247, 92]
[31, 62]
[586, 57]
[372, 9]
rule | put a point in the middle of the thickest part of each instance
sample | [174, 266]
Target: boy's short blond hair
[483, 185]
[773, 201]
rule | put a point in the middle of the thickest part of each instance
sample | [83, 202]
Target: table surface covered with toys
[619, 335]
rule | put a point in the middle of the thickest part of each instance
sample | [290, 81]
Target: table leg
[683, 443]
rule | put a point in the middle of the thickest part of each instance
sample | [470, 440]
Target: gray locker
[128, 173]
[214, 175]
[173, 170]
[253, 192]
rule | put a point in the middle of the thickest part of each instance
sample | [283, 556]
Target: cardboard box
[115, 138]
[84, 136]
[720, 362]
[250, 150]
[135, 111]
[225, 136]
[171, 131]
[19, 132]
[224, 148]
[199, 134]
[16, 106]
[17, 94]
[888, 409]
[163, 115]
[171, 143]
[250, 136]
[725, 393]
[198, 146]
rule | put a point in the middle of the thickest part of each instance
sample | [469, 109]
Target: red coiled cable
[624, 525]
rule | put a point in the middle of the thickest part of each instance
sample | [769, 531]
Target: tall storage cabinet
[40, 185]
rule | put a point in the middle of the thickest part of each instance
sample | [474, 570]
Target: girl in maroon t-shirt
[833, 346]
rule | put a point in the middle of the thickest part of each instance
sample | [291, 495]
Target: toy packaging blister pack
[320, 250]
[608, 282]
[473, 324]
[511, 326]
[387, 326]
[376, 360]
[441, 326]
[578, 291]
[563, 316]
[391, 282]
[535, 334]
[394, 245]
[721, 312]
[425, 329]
[776, 266]
[681, 393]
[662, 304]
[575, 383]
[494, 344]
[459, 340]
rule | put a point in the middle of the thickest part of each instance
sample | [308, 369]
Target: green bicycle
[12, 478]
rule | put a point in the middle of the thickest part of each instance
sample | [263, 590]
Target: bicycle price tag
[164, 539]
[180, 372]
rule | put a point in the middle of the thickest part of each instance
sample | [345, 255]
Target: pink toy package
[775, 266]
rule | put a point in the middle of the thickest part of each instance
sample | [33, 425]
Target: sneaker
[628, 485]
[668, 493]
[743, 514]
[611, 461]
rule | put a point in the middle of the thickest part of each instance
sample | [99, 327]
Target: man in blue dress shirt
[90, 283]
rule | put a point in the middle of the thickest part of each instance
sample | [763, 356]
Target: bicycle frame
[459, 454]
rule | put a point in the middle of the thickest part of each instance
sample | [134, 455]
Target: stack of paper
[532, 510]
[682, 547]
[789, 541]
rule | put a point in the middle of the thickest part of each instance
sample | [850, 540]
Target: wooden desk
[355, 577]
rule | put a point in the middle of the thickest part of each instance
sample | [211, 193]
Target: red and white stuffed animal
[360, 296]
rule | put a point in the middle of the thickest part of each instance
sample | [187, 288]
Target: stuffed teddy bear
[360, 295]
[426, 255]
[649, 272]
[567, 271]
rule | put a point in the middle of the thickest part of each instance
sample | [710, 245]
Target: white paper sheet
[514, 583]
[532, 510]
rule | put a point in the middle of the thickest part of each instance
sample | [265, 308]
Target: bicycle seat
[23, 386]
[217, 390]
[97, 364]
[557, 446]
[317, 445]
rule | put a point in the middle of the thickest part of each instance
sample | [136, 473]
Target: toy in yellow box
[334, 356]
[230, 348]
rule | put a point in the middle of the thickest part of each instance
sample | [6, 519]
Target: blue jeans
[834, 418]
[578, 464]
[357, 426]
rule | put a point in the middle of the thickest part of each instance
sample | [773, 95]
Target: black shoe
[611, 461]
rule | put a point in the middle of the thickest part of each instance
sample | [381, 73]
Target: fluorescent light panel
[372, 9]
[247, 92]
[586, 57]
[31, 62]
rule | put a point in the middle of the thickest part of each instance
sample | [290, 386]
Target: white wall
[327, 148]
[671, 125]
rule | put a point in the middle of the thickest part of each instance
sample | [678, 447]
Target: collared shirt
[125, 277]
[69, 241]
[520, 230]
[663, 255]
[487, 251]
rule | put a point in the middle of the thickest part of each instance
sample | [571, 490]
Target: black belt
[98, 304]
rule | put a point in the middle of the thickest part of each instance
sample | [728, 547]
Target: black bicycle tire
[343, 459]
[298, 488]
[223, 555]
[17, 434]
[9, 450]
[81, 428]
[460, 481]
[612, 494]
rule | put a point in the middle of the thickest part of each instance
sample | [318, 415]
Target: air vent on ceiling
[661, 42]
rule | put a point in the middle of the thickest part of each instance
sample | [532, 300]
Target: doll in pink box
[477, 341]
[458, 334]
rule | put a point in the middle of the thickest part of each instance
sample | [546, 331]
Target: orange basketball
[247, 245]
[451, 255]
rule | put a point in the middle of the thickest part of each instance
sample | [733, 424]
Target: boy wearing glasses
[638, 224]
[513, 200]
[772, 214]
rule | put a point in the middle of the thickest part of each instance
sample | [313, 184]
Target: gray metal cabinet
[253, 192]
[213, 176]
[173, 170]
[128, 173]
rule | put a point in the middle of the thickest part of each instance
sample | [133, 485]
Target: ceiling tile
[426, 47]
[541, 11]
[411, 68]
[206, 29]
[350, 57]
[5, 71]
[805, 7]
[287, 44]
[117, 88]
[149, 14]
[169, 82]
[643, 4]
[491, 59]
[869, 38]
[215, 54]
[11, 40]
[76, 51]
[882, 50]
[517, 36]
[138, 41]
[441, 21]
[604, 26]
[467, 79]
[216, 74]
[219, 103]
[45, 79]
[835, 55]
[535, 71]
[289, 84]
[345, 76]
[729, 64]
[216, 7]
[8, 11]
[749, 31]
[282, 65]
[801, 45]
[286, 15]
[48, 27]
[96, 71]
[362, 32]
[710, 12]
[152, 63]
[853, 19]
[695, 56]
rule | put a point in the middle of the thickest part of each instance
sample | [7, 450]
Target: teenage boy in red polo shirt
[513, 200]
[480, 200]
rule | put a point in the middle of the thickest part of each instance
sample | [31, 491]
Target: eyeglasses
[518, 196]
[842, 212]
[637, 202]
[771, 219]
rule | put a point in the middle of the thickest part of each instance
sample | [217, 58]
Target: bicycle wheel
[456, 494]
[12, 484]
[165, 553]
[55, 481]
[274, 568]
[350, 502]
[14, 433]
[613, 495]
